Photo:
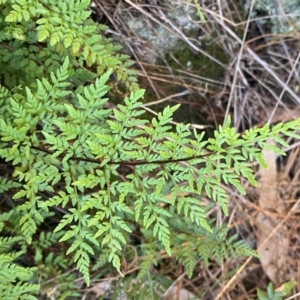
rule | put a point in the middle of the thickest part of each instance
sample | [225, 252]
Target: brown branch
[7, 47]
[126, 163]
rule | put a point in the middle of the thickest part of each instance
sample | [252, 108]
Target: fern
[109, 170]
[73, 145]
[13, 277]
[60, 26]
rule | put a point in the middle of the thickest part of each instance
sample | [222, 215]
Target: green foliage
[107, 171]
[38, 35]
[199, 12]
[52, 264]
[273, 294]
[14, 279]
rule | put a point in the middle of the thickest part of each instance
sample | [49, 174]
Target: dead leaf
[271, 247]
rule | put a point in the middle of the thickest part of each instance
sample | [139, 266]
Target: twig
[235, 277]
[261, 62]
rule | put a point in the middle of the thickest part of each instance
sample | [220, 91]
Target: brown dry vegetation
[236, 68]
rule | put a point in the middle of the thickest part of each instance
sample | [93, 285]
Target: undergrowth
[86, 177]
